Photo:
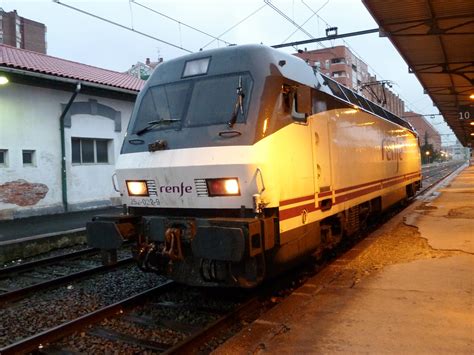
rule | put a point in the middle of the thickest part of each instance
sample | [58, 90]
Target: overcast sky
[76, 36]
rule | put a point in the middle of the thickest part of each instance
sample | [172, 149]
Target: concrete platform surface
[11, 230]
[407, 288]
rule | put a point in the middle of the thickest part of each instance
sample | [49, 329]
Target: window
[222, 89]
[339, 74]
[18, 33]
[29, 158]
[338, 60]
[327, 64]
[90, 151]
[3, 157]
[186, 104]
[196, 67]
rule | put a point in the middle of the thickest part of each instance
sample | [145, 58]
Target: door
[322, 160]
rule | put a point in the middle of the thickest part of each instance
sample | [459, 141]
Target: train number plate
[144, 202]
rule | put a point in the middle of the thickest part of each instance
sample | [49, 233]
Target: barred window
[90, 150]
[3, 157]
[29, 158]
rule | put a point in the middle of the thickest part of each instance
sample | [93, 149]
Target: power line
[177, 21]
[298, 28]
[131, 14]
[354, 51]
[234, 26]
[408, 103]
[123, 26]
[315, 13]
[281, 13]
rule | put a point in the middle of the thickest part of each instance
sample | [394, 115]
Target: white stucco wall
[29, 120]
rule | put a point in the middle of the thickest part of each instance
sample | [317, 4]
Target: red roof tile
[41, 63]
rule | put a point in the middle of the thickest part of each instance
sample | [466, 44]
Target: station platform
[25, 237]
[406, 288]
[38, 226]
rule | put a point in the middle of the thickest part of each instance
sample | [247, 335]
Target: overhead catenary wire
[123, 26]
[317, 16]
[177, 21]
[131, 14]
[351, 48]
[315, 13]
[234, 26]
[409, 104]
[286, 17]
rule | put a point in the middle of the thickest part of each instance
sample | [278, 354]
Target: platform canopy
[436, 39]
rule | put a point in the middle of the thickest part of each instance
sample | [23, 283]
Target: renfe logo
[176, 189]
[392, 149]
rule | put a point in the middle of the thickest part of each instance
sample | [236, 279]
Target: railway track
[192, 321]
[433, 174]
[21, 280]
[157, 321]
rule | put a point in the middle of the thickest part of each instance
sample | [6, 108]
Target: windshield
[164, 102]
[198, 102]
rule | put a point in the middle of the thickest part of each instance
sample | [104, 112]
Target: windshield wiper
[154, 123]
[239, 104]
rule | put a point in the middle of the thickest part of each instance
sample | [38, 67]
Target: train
[239, 162]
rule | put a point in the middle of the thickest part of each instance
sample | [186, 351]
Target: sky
[82, 38]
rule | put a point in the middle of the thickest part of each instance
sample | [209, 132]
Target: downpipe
[63, 146]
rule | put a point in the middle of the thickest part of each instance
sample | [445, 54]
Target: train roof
[350, 96]
[237, 58]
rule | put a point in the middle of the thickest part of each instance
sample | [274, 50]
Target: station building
[36, 137]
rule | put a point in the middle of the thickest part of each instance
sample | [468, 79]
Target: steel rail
[46, 261]
[193, 343]
[437, 181]
[40, 340]
[22, 292]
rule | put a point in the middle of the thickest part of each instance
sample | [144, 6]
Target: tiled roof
[41, 63]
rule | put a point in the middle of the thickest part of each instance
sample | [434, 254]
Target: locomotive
[240, 161]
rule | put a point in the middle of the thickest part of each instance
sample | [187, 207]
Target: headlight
[137, 188]
[223, 187]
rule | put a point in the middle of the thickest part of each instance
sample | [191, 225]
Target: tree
[428, 153]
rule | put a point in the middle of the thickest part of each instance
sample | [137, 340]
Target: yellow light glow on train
[232, 186]
[350, 111]
[366, 123]
[223, 187]
[265, 126]
[137, 188]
